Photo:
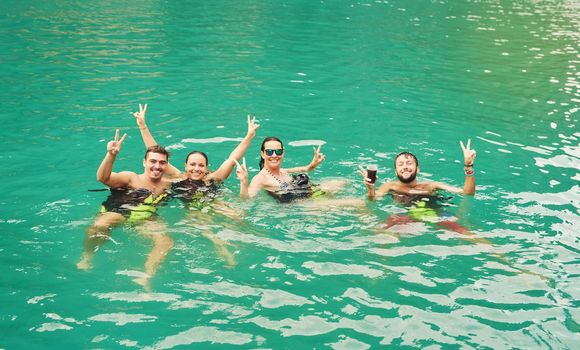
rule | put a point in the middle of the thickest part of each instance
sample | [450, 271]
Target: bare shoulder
[258, 179]
[386, 187]
[123, 179]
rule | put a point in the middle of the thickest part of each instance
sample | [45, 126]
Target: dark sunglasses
[270, 152]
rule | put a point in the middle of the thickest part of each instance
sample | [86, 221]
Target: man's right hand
[113, 147]
[362, 171]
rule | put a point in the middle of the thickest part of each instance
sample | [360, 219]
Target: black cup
[372, 173]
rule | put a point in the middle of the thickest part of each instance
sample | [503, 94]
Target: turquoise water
[367, 78]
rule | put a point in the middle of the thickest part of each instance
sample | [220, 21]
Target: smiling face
[273, 160]
[196, 166]
[406, 167]
[155, 165]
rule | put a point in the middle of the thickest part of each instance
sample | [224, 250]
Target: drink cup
[372, 172]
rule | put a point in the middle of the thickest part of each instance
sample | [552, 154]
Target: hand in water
[468, 153]
[114, 146]
[140, 116]
[252, 126]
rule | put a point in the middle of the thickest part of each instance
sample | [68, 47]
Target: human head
[155, 161]
[270, 142]
[406, 167]
[196, 165]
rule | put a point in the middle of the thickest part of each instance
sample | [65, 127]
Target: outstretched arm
[227, 166]
[148, 139]
[316, 160]
[105, 172]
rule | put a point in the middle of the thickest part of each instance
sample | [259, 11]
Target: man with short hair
[133, 198]
[407, 168]
[407, 190]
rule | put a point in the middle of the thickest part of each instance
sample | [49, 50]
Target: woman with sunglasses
[277, 181]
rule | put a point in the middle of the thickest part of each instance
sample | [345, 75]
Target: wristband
[469, 171]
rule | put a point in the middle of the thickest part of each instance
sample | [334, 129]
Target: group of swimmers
[135, 197]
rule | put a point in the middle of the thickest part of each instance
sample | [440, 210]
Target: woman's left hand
[140, 116]
[252, 126]
[318, 158]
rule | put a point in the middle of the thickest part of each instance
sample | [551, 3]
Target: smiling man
[420, 198]
[406, 170]
[134, 198]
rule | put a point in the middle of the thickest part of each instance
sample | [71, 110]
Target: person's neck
[153, 183]
[409, 185]
[275, 171]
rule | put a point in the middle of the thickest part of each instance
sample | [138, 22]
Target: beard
[407, 180]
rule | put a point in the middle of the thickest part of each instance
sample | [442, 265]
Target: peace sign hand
[252, 126]
[140, 116]
[113, 147]
[468, 153]
[318, 158]
[242, 171]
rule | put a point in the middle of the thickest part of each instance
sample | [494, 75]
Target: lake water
[369, 79]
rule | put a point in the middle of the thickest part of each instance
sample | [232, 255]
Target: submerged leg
[162, 244]
[204, 221]
[220, 247]
[398, 220]
[464, 231]
[97, 235]
[332, 186]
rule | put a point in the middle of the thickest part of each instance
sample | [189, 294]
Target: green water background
[369, 80]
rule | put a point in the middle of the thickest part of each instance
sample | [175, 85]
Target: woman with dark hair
[197, 182]
[277, 181]
[198, 187]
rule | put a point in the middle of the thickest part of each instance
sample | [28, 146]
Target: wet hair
[157, 149]
[269, 138]
[408, 154]
[197, 152]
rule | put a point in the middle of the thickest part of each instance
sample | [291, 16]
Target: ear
[418, 169]
[144, 163]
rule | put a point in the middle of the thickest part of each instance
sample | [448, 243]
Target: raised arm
[227, 166]
[254, 187]
[316, 160]
[468, 161]
[148, 139]
[469, 185]
[105, 172]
